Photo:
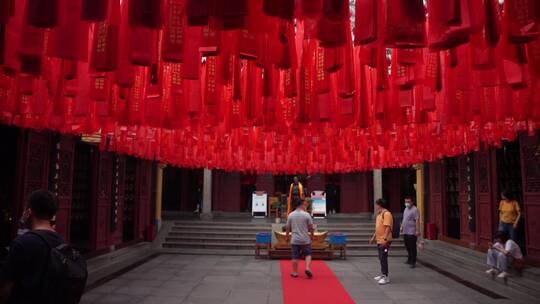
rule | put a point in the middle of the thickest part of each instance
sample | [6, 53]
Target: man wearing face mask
[410, 228]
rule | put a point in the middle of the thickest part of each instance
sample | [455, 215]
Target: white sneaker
[503, 275]
[385, 280]
[377, 278]
[492, 271]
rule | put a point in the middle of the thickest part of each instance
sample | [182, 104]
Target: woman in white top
[502, 253]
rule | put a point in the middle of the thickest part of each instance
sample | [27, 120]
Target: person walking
[383, 236]
[509, 214]
[300, 225]
[410, 228]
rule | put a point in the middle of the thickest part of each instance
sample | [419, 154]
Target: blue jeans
[498, 260]
[508, 228]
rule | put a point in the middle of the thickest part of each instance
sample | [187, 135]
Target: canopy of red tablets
[274, 85]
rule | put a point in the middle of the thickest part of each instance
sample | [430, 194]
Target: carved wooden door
[484, 205]
[61, 181]
[530, 164]
[103, 200]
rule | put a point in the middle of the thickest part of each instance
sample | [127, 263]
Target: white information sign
[259, 204]
[318, 205]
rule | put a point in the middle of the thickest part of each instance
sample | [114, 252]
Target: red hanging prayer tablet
[42, 13]
[94, 10]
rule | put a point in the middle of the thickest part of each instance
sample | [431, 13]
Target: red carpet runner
[323, 288]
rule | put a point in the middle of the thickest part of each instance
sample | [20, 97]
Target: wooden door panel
[63, 183]
[530, 164]
[103, 200]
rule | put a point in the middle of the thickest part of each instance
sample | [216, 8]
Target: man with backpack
[384, 223]
[40, 267]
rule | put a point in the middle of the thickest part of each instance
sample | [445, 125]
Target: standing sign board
[259, 204]
[318, 207]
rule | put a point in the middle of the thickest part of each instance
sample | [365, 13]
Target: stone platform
[236, 235]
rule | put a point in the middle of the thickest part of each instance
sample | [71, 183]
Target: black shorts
[300, 251]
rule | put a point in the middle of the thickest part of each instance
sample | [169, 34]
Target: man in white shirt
[502, 253]
[300, 224]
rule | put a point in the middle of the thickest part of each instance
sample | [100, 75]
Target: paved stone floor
[186, 279]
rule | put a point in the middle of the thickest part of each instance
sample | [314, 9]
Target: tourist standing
[300, 224]
[509, 214]
[410, 228]
[383, 236]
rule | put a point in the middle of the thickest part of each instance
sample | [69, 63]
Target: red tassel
[145, 13]
[42, 13]
[94, 10]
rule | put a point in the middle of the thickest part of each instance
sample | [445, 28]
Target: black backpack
[64, 277]
[396, 226]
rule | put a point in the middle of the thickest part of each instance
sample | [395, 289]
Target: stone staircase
[237, 237]
[470, 265]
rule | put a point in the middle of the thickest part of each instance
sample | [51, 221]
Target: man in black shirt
[21, 277]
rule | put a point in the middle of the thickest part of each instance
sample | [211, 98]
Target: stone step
[216, 244]
[351, 243]
[511, 288]
[350, 235]
[205, 234]
[173, 239]
[208, 245]
[266, 223]
[250, 252]
[256, 229]
[474, 262]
